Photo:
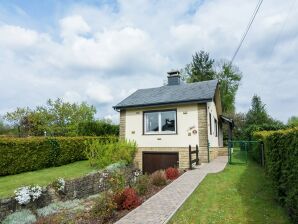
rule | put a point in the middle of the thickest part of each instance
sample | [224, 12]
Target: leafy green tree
[204, 68]
[229, 78]
[257, 114]
[65, 117]
[293, 121]
[17, 118]
[4, 128]
[55, 118]
[200, 69]
[257, 118]
[239, 122]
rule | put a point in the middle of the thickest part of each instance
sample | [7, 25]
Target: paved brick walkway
[161, 207]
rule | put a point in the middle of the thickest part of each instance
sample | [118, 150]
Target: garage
[153, 161]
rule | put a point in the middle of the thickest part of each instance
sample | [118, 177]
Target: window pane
[168, 121]
[151, 122]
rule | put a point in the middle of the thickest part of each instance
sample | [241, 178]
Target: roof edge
[163, 103]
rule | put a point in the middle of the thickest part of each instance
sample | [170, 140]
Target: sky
[102, 51]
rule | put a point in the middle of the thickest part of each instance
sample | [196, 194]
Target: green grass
[42, 177]
[240, 194]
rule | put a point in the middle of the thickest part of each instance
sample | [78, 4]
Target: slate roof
[171, 94]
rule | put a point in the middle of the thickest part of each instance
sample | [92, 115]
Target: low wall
[217, 151]
[82, 187]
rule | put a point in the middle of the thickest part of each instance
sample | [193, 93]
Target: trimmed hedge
[27, 154]
[281, 164]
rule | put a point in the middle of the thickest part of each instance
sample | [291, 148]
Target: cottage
[165, 120]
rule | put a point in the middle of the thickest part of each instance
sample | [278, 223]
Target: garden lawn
[239, 194]
[43, 177]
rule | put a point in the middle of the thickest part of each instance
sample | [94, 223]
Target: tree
[293, 121]
[257, 114]
[239, 122]
[200, 69]
[55, 118]
[17, 118]
[229, 78]
[65, 117]
[204, 68]
[4, 128]
[257, 118]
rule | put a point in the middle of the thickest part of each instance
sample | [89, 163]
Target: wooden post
[197, 155]
[262, 154]
[189, 156]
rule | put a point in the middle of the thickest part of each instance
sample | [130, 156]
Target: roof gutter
[117, 108]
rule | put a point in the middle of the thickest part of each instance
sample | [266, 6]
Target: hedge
[281, 164]
[27, 154]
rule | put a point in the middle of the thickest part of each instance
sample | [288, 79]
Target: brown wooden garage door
[153, 161]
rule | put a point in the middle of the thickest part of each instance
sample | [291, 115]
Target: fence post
[246, 151]
[197, 155]
[262, 154]
[229, 151]
[189, 156]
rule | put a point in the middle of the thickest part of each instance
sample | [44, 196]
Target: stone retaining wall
[82, 187]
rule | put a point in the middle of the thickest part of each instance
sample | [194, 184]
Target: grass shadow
[258, 197]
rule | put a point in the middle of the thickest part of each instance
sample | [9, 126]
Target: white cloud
[72, 26]
[102, 54]
[99, 93]
[14, 37]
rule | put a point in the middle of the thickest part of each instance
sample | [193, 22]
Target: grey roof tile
[185, 92]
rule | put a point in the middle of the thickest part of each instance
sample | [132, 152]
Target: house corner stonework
[122, 124]
[203, 132]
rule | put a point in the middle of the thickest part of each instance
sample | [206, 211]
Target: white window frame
[159, 132]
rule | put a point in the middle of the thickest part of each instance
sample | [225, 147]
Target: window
[210, 124]
[215, 127]
[160, 122]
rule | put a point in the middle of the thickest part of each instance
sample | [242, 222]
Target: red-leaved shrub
[132, 200]
[127, 199]
[172, 173]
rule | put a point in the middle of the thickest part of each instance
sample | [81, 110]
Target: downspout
[208, 150]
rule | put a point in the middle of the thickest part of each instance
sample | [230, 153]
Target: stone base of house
[217, 151]
[183, 154]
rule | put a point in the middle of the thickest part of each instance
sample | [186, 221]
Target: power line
[247, 29]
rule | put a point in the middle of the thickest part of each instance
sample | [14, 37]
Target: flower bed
[121, 195]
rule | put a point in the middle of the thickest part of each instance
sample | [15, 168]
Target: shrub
[158, 178]
[24, 216]
[102, 155]
[116, 181]
[172, 173]
[281, 164]
[56, 207]
[26, 194]
[98, 128]
[57, 218]
[127, 199]
[142, 184]
[131, 199]
[119, 198]
[104, 206]
[28, 154]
